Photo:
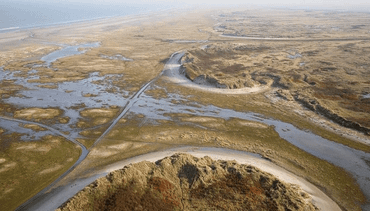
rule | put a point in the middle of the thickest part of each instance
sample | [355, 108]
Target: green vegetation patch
[28, 167]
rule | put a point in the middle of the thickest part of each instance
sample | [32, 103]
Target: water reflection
[27, 133]
[67, 95]
[68, 51]
[354, 161]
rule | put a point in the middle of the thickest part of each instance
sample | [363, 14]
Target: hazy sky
[296, 2]
[261, 2]
[341, 4]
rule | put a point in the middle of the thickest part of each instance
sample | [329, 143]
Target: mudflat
[78, 98]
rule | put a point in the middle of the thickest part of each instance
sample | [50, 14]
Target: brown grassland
[316, 81]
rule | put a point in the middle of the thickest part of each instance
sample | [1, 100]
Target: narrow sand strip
[172, 71]
[320, 199]
[58, 196]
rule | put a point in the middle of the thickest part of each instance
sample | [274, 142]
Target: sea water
[20, 14]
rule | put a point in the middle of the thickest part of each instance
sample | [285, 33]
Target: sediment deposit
[184, 182]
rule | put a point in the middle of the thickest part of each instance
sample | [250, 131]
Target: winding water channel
[67, 51]
[354, 161]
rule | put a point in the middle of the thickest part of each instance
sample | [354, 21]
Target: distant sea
[20, 14]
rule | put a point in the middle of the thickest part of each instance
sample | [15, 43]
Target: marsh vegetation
[117, 99]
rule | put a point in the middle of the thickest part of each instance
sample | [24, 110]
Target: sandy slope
[320, 199]
[172, 70]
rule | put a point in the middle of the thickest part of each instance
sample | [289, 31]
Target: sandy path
[84, 153]
[172, 71]
[132, 100]
[61, 194]
[321, 200]
[83, 148]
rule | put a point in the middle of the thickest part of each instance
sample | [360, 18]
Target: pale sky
[314, 4]
[340, 4]
[264, 2]
[212, 2]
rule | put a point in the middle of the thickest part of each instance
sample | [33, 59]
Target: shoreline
[56, 24]
[137, 13]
